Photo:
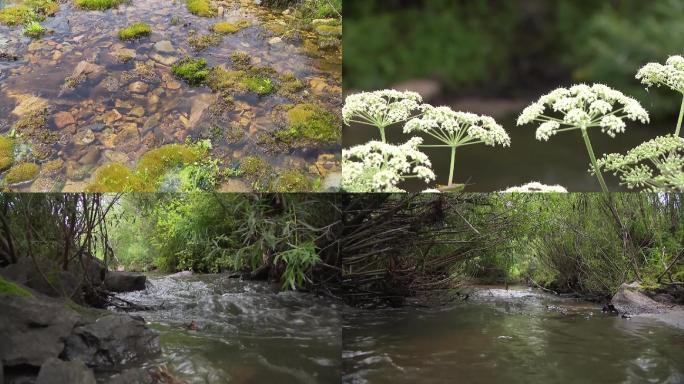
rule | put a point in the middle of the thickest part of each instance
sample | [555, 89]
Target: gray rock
[164, 46]
[125, 281]
[112, 341]
[33, 330]
[133, 376]
[630, 300]
[55, 371]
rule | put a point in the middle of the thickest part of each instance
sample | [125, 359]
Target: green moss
[22, 172]
[258, 84]
[310, 123]
[202, 8]
[202, 42]
[43, 7]
[114, 177]
[290, 86]
[134, 31]
[241, 60]
[98, 4]
[254, 168]
[293, 181]
[34, 30]
[194, 71]
[6, 152]
[32, 122]
[228, 28]
[220, 79]
[17, 15]
[157, 162]
[329, 30]
[10, 288]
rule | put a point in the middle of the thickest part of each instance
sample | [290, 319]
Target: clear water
[515, 336]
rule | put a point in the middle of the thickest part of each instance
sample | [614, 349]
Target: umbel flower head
[656, 165]
[581, 107]
[670, 75]
[537, 187]
[380, 108]
[379, 167]
[458, 128]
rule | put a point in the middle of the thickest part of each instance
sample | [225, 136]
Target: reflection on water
[246, 332]
[128, 101]
[562, 160]
[496, 337]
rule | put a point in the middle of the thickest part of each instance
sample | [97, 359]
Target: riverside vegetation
[378, 166]
[125, 82]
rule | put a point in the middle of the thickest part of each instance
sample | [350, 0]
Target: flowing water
[242, 331]
[515, 336]
[120, 110]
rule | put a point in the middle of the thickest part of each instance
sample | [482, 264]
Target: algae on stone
[22, 172]
[6, 152]
[134, 31]
[202, 8]
[194, 71]
[226, 28]
[293, 181]
[157, 162]
[310, 123]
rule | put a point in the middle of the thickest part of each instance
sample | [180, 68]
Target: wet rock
[128, 137]
[62, 119]
[164, 46]
[125, 104]
[111, 116]
[235, 186]
[630, 300]
[55, 371]
[97, 127]
[133, 376]
[137, 111]
[151, 122]
[85, 68]
[112, 341]
[164, 60]
[76, 171]
[275, 40]
[122, 54]
[200, 104]
[138, 87]
[125, 281]
[116, 157]
[91, 156]
[84, 137]
[28, 104]
[110, 83]
[33, 330]
[152, 99]
[173, 85]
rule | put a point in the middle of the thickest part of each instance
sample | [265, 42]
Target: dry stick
[672, 263]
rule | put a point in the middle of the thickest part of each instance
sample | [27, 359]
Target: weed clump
[202, 8]
[22, 172]
[202, 42]
[228, 28]
[34, 30]
[293, 181]
[241, 60]
[194, 71]
[135, 31]
[114, 177]
[309, 123]
[17, 15]
[259, 85]
[220, 79]
[157, 162]
[94, 5]
[254, 168]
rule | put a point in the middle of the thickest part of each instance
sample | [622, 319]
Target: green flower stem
[587, 142]
[382, 134]
[681, 117]
[451, 168]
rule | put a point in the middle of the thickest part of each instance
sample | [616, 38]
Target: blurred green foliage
[511, 47]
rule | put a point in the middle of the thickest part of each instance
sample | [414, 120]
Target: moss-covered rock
[114, 177]
[21, 173]
[202, 8]
[228, 28]
[310, 123]
[328, 30]
[293, 181]
[6, 152]
[220, 79]
[157, 162]
[254, 168]
[135, 31]
[201, 42]
[194, 71]
[9, 288]
[32, 121]
[98, 4]
[259, 84]
[17, 15]
[241, 60]
[290, 86]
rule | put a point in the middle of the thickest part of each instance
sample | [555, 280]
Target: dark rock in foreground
[124, 281]
[112, 341]
[630, 300]
[55, 371]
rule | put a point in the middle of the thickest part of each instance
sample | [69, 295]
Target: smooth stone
[275, 40]
[55, 371]
[164, 60]
[138, 87]
[138, 111]
[116, 157]
[111, 116]
[62, 119]
[84, 137]
[164, 46]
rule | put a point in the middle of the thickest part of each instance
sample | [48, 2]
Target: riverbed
[125, 101]
[512, 336]
[216, 329]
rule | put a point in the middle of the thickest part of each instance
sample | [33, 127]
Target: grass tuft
[134, 31]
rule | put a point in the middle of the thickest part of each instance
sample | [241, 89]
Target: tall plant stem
[681, 117]
[599, 176]
[453, 165]
[382, 134]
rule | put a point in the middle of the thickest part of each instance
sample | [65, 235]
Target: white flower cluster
[458, 128]
[670, 75]
[379, 167]
[380, 108]
[583, 106]
[656, 165]
[536, 187]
